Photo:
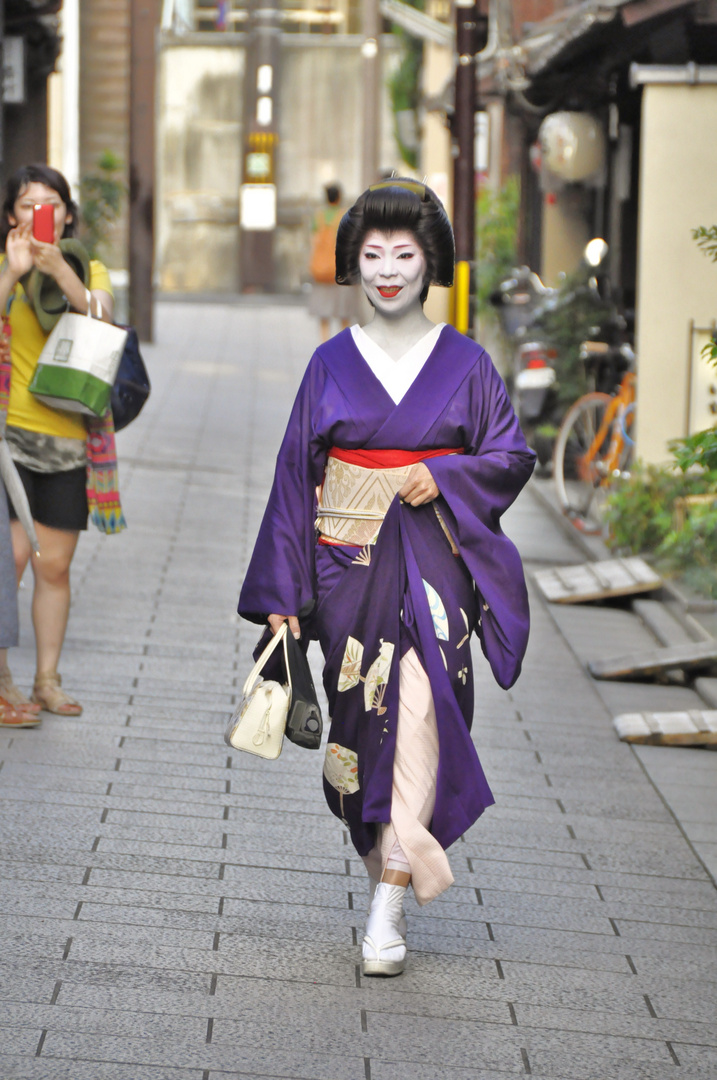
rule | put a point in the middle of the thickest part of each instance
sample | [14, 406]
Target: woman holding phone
[49, 446]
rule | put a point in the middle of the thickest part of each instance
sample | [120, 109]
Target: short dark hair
[392, 206]
[36, 174]
[333, 193]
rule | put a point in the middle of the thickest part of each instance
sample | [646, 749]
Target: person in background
[20, 714]
[327, 300]
[49, 446]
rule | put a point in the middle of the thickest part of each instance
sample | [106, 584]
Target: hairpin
[409, 185]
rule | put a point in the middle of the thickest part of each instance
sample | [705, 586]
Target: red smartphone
[43, 223]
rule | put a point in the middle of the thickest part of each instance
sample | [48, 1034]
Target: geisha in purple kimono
[382, 539]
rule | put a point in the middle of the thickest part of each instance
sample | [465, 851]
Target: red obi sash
[388, 459]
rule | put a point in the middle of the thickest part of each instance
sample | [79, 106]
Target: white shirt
[396, 376]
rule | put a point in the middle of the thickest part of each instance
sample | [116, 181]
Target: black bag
[304, 725]
[132, 386]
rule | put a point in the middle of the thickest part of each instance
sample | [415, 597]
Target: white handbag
[78, 364]
[259, 720]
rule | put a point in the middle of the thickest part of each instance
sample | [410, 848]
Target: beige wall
[199, 150]
[565, 232]
[676, 283]
[198, 144]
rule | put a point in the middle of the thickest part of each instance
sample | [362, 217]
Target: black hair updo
[397, 205]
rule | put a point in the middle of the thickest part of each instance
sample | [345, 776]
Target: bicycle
[594, 446]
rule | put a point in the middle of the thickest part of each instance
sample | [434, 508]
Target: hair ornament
[409, 185]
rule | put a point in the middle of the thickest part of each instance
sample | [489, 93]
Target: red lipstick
[389, 290]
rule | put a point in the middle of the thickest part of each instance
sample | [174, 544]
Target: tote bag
[79, 362]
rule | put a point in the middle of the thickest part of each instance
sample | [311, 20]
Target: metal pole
[258, 200]
[371, 53]
[144, 20]
[464, 171]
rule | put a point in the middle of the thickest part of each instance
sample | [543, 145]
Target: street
[172, 910]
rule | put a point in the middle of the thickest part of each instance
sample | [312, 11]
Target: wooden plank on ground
[695, 654]
[695, 727]
[597, 580]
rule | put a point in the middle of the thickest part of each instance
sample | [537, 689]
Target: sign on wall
[14, 70]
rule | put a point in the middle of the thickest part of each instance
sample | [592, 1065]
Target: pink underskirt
[414, 788]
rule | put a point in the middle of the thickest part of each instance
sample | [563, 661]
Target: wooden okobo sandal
[49, 695]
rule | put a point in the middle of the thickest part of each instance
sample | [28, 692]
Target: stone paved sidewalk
[174, 911]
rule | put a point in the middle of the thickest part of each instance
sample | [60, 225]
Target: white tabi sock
[386, 925]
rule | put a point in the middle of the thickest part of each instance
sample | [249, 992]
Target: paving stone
[147, 1051]
[693, 1055]
[17, 1068]
[19, 1040]
[144, 1024]
[453, 1043]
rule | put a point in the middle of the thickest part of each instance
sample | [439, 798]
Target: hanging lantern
[572, 145]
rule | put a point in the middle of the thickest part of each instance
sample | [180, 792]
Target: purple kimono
[368, 606]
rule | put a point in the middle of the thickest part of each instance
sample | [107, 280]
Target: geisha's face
[393, 270]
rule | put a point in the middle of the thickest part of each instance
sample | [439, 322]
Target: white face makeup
[34, 194]
[393, 270]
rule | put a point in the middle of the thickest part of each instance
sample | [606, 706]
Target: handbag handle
[278, 638]
[89, 297]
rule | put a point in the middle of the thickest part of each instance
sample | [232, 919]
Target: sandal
[16, 717]
[13, 696]
[49, 695]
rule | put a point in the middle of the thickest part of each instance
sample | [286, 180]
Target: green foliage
[404, 87]
[101, 195]
[639, 507]
[699, 449]
[693, 549]
[706, 240]
[639, 515]
[496, 238]
[576, 315]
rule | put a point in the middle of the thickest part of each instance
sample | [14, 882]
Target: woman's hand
[275, 622]
[420, 487]
[47, 258]
[18, 251]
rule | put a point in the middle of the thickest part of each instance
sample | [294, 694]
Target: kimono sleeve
[475, 490]
[281, 578]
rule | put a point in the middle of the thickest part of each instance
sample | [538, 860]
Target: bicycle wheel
[577, 476]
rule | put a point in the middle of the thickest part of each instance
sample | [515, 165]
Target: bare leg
[325, 326]
[396, 877]
[51, 598]
[8, 690]
[21, 548]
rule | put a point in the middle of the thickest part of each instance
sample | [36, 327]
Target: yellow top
[28, 338]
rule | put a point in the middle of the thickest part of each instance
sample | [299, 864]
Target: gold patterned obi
[358, 488]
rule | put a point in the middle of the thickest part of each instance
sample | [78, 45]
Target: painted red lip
[389, 290]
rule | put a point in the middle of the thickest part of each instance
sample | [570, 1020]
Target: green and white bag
[79, 362]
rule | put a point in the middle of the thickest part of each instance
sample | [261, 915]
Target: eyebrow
[380, 247]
